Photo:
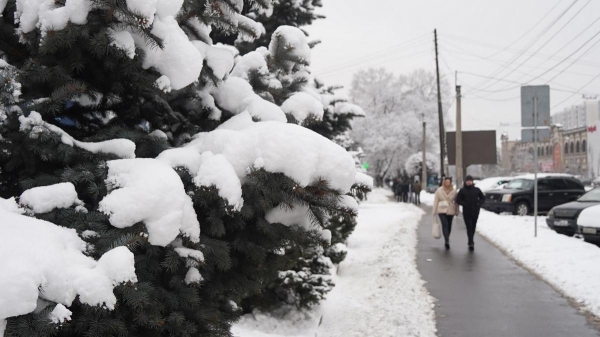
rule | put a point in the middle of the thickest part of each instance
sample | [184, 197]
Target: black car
[517, 196]
[563, 218]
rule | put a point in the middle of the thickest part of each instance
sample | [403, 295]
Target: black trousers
[446, 221]
[471, 223]
[417, 198]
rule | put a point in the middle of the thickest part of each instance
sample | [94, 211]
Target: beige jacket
[450, 198]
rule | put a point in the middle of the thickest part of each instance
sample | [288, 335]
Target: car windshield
[591, 196]
[520, 184]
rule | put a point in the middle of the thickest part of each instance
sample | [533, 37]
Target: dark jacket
[470, 198]
[416, 188]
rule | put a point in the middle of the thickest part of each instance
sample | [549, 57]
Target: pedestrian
[416, 188]
[470, 198]
[404, 186]
[396, 188]
[445, 208]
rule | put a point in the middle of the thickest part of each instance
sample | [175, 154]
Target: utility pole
[440, 110]
[459, 147]
[424, 149]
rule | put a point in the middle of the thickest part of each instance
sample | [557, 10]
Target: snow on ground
[378, 292]
[566, 263]
[427, 198]
[380, 195]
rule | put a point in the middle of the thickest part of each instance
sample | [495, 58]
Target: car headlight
[507, 198]
[551, 214]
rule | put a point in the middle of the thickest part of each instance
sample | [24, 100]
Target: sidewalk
[486, 294]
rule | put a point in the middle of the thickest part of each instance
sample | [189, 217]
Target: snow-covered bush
[414, 164]
[159, 148]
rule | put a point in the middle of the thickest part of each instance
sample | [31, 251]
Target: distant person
[445, 208]
[397, 187]
[470, 198]
[416, 188]
[404, 186]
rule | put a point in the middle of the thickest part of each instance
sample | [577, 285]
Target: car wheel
[522, 209]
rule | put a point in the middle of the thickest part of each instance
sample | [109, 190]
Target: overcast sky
[475, 36]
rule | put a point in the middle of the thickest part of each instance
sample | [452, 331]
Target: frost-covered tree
[414, 164]
[395, 108]
[123, 124]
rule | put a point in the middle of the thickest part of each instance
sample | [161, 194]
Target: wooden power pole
[440, 110]
[459, 148]
[424, 162]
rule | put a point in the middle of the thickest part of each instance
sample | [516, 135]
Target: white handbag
[443, 206]
[436, 231]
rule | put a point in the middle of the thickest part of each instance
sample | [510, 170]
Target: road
[484, 293]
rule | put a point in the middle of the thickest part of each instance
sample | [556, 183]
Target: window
[577, 147]
[547, 150]
[566, 148]
[573, 184]
[558, 184]
[572, 148]
[583, 146]
[544, 185]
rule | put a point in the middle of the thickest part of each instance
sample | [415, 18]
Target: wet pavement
[485, 294]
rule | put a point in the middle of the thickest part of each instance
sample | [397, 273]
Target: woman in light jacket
[445, 207]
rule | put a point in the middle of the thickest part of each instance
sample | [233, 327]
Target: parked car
[563, 218]
[517, 196]
[492, 183]
[588, 222]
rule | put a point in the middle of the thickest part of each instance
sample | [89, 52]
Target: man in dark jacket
[470, 198]
[416, 189]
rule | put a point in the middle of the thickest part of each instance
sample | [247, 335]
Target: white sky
[359, 34]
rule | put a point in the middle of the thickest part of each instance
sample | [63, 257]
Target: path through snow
[378, 292]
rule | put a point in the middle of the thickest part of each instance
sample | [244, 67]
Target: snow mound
[295, 151]
[302, 105]
[219, 60]
[236, 96]
[253, 61]
[31, 13]
[589, 217]
[193, 276]
[60, 314]
[40, 259]
[122, 148]
[344, 108]
[292, 42]
[10, 205]
[122, 39]
[365, 180]
[46, 198]
[217, 171]
[380, 195]
[149, 191]
[348, 202]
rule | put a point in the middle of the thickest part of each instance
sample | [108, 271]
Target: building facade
[573, 146]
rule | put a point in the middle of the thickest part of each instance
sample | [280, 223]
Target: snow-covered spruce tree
[272, 16]
[136, 84]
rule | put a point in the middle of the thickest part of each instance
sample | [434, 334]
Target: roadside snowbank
[564, 262]
[379, 291]
[427, 198]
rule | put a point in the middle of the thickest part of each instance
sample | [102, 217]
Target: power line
[568, 98]
[550, 39]
[405, 45]
[533, 41]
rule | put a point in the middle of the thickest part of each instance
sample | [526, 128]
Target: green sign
[366, 166]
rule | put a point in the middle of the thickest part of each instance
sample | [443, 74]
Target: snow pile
[589, 217]
[193, 276]
[380, 195]
[179, 59]
[46, 14]
[34, 124]
[122, 39]
[295, 151]
[60, 314]
[562, 261]
[427, 198]
[379, 291]
[217, 171]
[302, 105]
[46, 198]
[40, 259]
[348, 202]
[236, 96]
[364, 179]
[253, 61]
[344, 108]
[10, 205]
[219, 60]
[149, 191]
[293, 44]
